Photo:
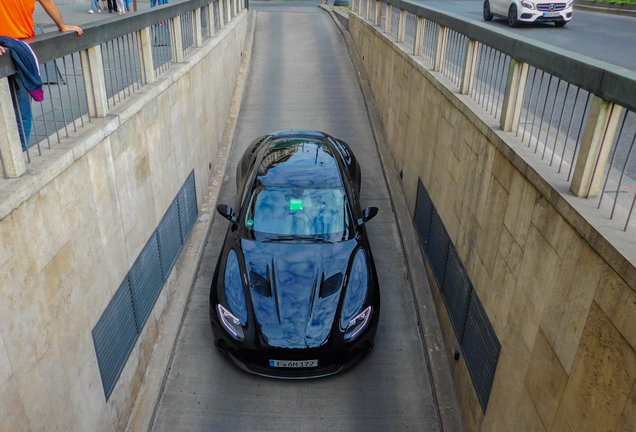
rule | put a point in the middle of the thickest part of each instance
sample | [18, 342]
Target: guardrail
[85, 77]
[575, 113]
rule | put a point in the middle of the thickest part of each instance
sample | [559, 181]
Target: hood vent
[331, 285]
[260, 284]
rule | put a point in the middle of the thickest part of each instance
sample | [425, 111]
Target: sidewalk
[77, 14]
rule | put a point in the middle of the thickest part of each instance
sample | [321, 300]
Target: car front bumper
[330, 362]
[532, 15]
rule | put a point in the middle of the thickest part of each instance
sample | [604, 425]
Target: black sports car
[295, 292]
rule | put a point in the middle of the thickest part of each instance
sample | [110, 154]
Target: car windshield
[298, 194]
[278, 213]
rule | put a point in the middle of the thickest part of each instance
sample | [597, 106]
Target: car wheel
[560, 23]
[512, 16]
[487, 14]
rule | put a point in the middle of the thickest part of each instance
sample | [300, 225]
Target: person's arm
[52, 10]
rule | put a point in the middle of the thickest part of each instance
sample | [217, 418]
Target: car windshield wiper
[292, 238]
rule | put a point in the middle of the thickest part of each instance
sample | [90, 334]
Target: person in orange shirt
[16, 21]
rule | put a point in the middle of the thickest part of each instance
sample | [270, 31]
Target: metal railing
[576, 114]
[122, 70]
[86, 77]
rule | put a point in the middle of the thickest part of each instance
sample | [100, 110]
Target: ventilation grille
[123, 320]
[472, 327]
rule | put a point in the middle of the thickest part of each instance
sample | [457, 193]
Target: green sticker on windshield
[249, 222]
[296, 204]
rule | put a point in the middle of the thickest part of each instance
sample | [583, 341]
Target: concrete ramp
[302, 77]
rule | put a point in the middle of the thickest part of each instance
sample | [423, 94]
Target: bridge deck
[302, 77]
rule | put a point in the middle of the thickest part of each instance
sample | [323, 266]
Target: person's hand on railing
[66, 28]
[52, 10]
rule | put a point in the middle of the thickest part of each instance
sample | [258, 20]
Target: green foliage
[616, 1]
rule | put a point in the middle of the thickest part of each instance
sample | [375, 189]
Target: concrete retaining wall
[66, 246]
[562, 302]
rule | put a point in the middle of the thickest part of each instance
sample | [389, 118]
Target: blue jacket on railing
[26, 64]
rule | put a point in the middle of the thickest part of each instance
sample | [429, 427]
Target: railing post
[378, 13]
[94, 81]
[210, 18]
[177, 49]
[387, 20]
[596, 144]
[418, 45]
[13, 164]
[401, 27]
[228, 11]
[368, 13]
[440, 50]
[196, 27]
[470, 66]
[145, 56]
[236, 7]
[513, 98]
[221, 14]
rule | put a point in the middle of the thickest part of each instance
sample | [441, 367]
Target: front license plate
[293, 364]
[550, 14]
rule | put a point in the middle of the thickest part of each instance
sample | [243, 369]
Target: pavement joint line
[154, 380]
[448, 408]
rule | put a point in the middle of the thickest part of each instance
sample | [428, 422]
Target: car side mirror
[226, 212]
[368, 214]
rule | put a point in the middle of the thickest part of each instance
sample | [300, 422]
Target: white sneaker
[91, 11]
[99, 11]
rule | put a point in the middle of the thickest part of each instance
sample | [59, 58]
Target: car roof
[300, 161]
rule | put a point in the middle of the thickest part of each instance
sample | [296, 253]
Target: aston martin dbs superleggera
[295, 292]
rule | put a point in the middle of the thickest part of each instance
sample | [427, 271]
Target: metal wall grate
[456, 292]
[124, 318]
[169, 236]
[481, 349]
[472, 327]
[146, 280]
[188, 211]
[423, 214]
[114, 336]
[438, 243]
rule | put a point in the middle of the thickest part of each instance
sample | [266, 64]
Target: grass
[616, 1]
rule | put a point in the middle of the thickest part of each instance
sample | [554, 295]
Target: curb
[442, 382]
[606, 8]
[149, 395]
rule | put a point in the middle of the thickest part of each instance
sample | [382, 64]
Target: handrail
[576, 114]
[86, 76]
[51, 46]
[610, 82]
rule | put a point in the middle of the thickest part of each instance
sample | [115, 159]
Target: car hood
[295, 315]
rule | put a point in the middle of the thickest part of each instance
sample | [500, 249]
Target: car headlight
[527, 5]
[569, 5]
[357, 324]
[231, 323]
[235, 315]
[355, 295]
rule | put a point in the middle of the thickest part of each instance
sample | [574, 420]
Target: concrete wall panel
[560, 301]
[65, 250]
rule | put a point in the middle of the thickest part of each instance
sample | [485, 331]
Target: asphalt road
[302, 77]
[601, 36]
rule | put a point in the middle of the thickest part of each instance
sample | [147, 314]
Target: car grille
[545, 7]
